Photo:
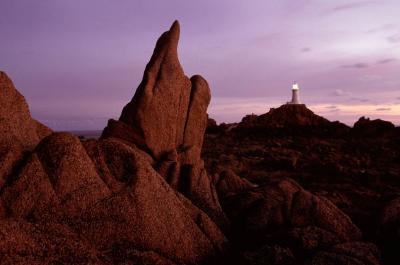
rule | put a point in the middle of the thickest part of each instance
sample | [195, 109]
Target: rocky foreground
[141, 193]
[356, 169]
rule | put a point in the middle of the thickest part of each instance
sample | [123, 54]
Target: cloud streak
[383, 109]
[341, 93]
[385, 61]
[395, 38]
[350, 6]
[355, 65]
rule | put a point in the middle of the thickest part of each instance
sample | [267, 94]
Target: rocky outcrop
[389, 230]
[359, 175]
[281, 223]
[19, 132]
[109, 200]
[373, 128]
[359, 253]
[25, 243]
[290, 118]
[16, 124]
[227, 182]
[142, 195]
[167, 118]
[282, 203]
[287, 115]
[160, 106]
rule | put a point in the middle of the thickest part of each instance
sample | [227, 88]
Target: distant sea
[93, 134]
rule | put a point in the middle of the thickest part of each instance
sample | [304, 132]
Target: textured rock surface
[22, 242]
[348, 253]
[104, 198]
[110, 199]
[133, 217]
[282, 203]
[142, 195]
[359, 175]
[167, 118]
[228, 182]
[19, 132]
[16, 124]
[160, 105]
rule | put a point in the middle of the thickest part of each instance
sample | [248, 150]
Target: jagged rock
[31, 195]
[71, 172]
[160, 105]
[10, 156]
[16, 124]
[389, 229]
[276, 255]
[144, 212]
[281, 204]
[228, 182]
[17, 129]
[366, 127]
[41, 129]
[311, 238]
[196, 120]
[22, 242]
[112, 200]
[357, 253]
[167, 118]
[169, 110]
[285, 116]
[294, 119]
[19, 132]
[123, 131]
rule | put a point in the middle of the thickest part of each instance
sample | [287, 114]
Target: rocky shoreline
[287, 187]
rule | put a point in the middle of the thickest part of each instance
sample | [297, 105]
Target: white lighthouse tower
[295, 94]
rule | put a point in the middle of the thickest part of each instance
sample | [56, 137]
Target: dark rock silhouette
[285, 116]
[373, 128]
[356, 169]
[290, 119]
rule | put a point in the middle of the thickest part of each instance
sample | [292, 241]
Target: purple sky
[79, 62]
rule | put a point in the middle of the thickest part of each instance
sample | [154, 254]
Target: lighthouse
[295, 94]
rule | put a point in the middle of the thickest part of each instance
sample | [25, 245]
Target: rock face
[16, 125]
[108, 201]
[373, 128]
[19, 132]
[290, 118]
[168, 111]
[286, 116]
[111, 199]
[159, 108]
[167, 118]
[354, 169]
[142, 195]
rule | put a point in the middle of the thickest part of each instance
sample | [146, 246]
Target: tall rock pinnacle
[158, 110]
[167, 118]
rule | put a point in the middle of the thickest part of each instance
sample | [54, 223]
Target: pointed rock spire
[167, 117]
[158, 111]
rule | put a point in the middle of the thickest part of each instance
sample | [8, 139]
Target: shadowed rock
[16, 124]
[19, 132]
[111, 199]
